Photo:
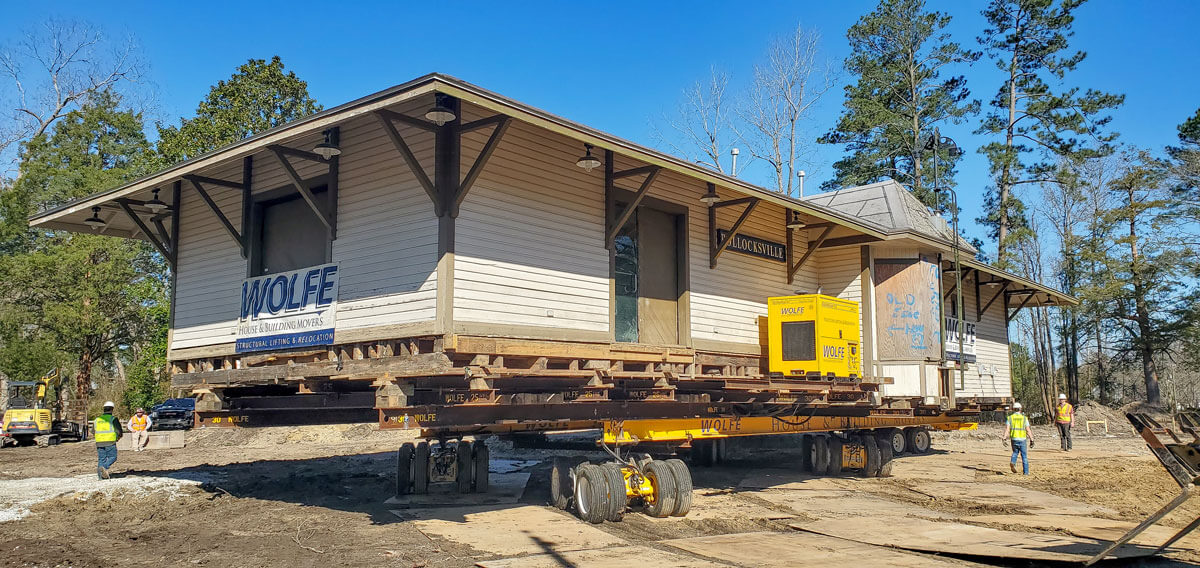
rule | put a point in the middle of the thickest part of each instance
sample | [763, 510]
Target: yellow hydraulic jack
[1182, 460]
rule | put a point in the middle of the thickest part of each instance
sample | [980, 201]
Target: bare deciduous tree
[700, 121]
[53, 69]
[785, 90]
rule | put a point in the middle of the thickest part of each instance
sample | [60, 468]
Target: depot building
[437, 216]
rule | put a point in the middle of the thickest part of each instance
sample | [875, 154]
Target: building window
[287, 234]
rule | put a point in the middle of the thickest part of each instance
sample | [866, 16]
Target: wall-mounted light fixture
[710, 197]
[440, 114]
[155, 205]
[588, 161]
[95, 222]
[794, 220]
[328, 147]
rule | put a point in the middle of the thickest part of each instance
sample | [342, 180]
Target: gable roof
[70, 215]
[889, 208]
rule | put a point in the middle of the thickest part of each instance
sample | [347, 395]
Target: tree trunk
[83, 385]
[1145, 348]
[1101, 374]
[1006, 171]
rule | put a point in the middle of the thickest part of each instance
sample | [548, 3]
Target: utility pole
[936, 142]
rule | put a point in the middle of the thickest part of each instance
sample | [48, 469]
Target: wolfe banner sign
[968, 340]
[289, 309]
[754, 246]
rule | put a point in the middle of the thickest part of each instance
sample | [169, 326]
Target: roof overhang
[1026, 292]
[69, 216]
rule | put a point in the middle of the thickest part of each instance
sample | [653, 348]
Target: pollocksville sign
[289, 309]
[754, 246]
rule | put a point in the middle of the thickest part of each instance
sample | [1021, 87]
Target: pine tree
[898, 53]
[1027, 40]
[1140, 285]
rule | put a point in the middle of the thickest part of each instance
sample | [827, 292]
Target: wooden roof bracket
[1008, 316]
[325, 213]
[979, 313]
[812, 248]
[212, 205]
[385, 119]
[502, 122]
[715, 248]
[954, 287]
[614, 223]
[160, 241]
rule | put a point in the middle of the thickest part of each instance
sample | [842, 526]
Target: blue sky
[613, 65]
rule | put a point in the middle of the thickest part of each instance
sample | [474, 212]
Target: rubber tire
[463, 461]
[820, 455]
[897, 439]
[918, 441]
[420, 475]
[481, 460]
[834, 446]
[702, 453]
[806, 457]
[683, 487]
[560, 483]
[404, 463]
[885, 460]
[662, 477]
[591, 492]
[873, 458]
[614, 492]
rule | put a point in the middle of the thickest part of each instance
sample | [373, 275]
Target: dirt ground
[311, 496]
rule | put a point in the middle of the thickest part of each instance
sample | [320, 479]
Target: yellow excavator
[28, 421]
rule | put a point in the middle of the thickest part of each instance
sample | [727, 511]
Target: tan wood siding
[386, 245]
[529, 244]
[727, 301]
[991, 374]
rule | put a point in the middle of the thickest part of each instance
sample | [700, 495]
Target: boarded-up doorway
[648, 278]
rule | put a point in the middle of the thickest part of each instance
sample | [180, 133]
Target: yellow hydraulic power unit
[813, 335]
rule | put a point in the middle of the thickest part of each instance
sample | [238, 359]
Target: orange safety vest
[138, 423]
[1065, 413]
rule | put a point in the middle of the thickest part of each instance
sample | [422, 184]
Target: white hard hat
[1062, 397]
[1016, 406]
[109, 404]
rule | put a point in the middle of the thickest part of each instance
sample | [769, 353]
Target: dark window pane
[291, 236]
[625, 276]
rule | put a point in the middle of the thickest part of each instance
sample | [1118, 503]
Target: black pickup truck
[173, 414]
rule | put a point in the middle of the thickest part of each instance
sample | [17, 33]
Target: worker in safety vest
[1020, 436]
[107, 430]
[140, 424]
[1064, 417]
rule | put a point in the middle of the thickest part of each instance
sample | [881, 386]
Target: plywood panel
[907, 309]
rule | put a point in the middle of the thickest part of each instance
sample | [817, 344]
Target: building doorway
[646, 265]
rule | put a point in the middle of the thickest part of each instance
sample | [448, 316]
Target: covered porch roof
[125, 213]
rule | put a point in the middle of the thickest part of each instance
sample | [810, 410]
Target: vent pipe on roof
[734, 153]
[800, 175]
